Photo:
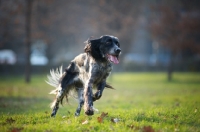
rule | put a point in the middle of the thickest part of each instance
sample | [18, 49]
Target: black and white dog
[87, 71]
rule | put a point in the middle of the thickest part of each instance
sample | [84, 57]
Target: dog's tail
[54, 78]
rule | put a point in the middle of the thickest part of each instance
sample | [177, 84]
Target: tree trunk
[170, 67]
[28, 41]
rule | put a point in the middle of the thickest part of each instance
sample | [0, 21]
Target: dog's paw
[97, 96]
[89, 112]
[77, 114]
[53, 114]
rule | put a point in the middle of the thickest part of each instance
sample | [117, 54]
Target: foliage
[140, 102]
[176, 25]
[65, 24]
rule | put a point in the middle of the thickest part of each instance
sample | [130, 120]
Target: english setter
[87, 71]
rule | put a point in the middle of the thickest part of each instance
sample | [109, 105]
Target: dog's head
[105, 48]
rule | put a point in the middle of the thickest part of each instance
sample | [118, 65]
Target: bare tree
[176, 25]
[28, 40]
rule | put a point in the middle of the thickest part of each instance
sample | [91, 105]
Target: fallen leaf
[103, 114]
[100, 119]
[64, 117]
[14, 129]
[147, 129]
[85, 122]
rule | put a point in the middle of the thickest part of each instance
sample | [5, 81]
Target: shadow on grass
[19, 105]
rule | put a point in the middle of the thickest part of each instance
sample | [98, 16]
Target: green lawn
[140, 102]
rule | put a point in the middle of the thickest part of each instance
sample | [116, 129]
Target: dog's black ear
[93, 47]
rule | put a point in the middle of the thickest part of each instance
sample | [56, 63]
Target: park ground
[143, 102]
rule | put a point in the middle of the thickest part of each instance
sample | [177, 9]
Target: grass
[140, 102]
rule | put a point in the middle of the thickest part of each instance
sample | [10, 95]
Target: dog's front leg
[99, 92]
[88, 105]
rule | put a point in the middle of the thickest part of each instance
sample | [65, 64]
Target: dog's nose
[118, 50]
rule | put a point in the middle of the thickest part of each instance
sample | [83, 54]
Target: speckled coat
[86, 71]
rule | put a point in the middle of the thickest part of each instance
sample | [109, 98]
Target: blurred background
[156, 35]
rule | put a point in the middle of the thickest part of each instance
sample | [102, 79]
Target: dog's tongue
[113, 59]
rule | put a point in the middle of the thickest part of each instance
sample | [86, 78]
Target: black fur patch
[93, 48]
[70, 73]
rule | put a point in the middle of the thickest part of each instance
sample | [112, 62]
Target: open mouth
[113, 58]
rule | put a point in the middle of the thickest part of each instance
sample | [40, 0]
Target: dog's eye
[108, 42]
[117, 44]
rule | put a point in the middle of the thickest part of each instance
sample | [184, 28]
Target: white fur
[54, 79]
[53, 104]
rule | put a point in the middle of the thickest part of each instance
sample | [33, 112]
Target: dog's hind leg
[55, 104]
[65, 85]
[81, 101]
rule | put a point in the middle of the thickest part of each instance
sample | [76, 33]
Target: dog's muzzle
[117, 51]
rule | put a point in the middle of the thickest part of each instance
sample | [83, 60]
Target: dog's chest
[103, 67]
[100, 71]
